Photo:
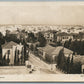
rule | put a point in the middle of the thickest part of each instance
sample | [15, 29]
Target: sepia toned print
[41, 41]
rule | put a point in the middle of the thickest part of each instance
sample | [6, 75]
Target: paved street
[42, 66]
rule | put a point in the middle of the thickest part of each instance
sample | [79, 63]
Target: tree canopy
[41, 39]
[76, 46]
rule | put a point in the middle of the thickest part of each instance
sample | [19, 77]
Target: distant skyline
[58, 13]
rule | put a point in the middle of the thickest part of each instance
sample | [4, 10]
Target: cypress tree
[71, 64]
[68, 64]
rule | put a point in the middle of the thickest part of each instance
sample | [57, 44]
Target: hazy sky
[42, 13]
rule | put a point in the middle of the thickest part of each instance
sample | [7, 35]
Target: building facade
[50, 35]
[12, 52]
[50, 53]
[64, 37]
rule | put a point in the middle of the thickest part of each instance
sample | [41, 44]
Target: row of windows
[65, 37]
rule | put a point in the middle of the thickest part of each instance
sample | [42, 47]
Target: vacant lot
[13, 70]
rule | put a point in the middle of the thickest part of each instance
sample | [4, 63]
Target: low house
[64, 37]
[9, 52]
[50, 53]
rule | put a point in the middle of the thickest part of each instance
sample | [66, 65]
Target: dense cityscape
[48, 49]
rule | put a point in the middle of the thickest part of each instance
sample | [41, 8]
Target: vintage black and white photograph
[41, 39]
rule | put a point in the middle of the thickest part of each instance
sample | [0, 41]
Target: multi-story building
[63, 37]
[50, 36]
[12, 52]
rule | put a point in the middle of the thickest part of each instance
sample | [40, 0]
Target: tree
[68, 64]
[0, 49]
[31, 37]
[18, 60]
[7, 32]
[23, 31]
[4, 60]
[71, 64]
[41, 39]
[76, 69]
[48, 58]
[25, 52]
[71, 61]
[2, 41]
[12, 37]
[16, 57]
[58, 43]
[76, 46]
[8, 60]
[61, 60]
[32, 47]
[22, 56]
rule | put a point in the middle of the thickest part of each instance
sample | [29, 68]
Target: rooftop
[9, 44]
[66, 51]
[63, 34]
[14, 32]
[48, 49]
[55, 50]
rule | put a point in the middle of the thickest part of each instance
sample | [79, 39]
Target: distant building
[78, 37]
[50, 36]
[18, 34]
[11, 50]
[50, 53]
[64, 37]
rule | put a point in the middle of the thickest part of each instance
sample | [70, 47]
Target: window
[8, 51]
[63, 38]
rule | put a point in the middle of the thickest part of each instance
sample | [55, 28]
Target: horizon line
[38, 0]
[46, 24]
